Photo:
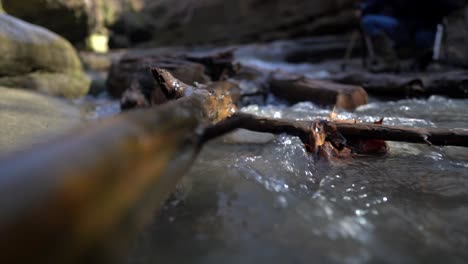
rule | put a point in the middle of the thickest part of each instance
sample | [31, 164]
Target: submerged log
[79, 198]
[299, 89]
[453, 84]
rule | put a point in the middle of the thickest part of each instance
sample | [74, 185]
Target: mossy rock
[69, 85]
[35, 58]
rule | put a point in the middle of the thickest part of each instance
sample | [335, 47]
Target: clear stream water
[273, 203]
[270, 202]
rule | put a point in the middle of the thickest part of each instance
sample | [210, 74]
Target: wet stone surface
[29, 118]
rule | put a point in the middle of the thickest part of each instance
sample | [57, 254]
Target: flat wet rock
[27, 118]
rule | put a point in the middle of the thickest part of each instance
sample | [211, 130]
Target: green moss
[37, 59]
[71, 85]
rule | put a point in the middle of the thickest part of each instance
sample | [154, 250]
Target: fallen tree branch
[81, 197]
[302, 129]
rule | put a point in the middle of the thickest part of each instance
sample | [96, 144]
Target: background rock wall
[179, 22]
[218, 21]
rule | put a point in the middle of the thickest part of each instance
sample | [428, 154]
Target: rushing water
[273, 203]
[270, 202]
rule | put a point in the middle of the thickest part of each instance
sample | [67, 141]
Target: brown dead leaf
[326, 141]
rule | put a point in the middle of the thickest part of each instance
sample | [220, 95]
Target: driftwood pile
[131, 80]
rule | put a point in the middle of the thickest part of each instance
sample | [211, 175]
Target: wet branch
[301, 129]
[257, 124]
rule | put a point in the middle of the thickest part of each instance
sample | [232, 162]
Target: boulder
[27, 118]
[36, 59]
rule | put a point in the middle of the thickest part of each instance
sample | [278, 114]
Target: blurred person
[393, 25]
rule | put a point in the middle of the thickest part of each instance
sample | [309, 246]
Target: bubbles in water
[360, 212]
[363, 196]
[356, 227]
[281, 202]
[436, 156]
[405, 108]
[269, 111]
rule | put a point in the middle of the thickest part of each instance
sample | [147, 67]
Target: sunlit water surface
[268, 201]
[273, 203]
